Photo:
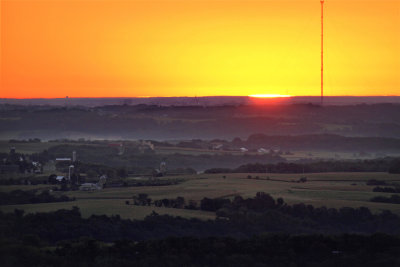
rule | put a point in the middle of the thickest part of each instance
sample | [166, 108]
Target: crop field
[321, 189]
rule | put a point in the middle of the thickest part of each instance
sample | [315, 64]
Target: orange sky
[194, 47]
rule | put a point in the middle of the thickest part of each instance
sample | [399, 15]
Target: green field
[321, 189]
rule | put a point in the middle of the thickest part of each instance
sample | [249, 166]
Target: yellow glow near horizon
[104, 48]
[269, 96]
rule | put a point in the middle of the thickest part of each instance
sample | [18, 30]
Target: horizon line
[144, 97]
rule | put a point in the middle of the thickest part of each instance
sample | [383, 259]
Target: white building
[63, 159]
[60, 178]
[89, 187]
[94, 186]
[262, 151]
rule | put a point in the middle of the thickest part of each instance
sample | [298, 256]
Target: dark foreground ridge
[258, 231]
[240, 218]
[269, 250]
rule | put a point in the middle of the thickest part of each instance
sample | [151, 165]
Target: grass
[334, 190]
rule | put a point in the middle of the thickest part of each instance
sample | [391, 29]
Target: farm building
[60, 178]
[89, 187]
[262, 151]
[63, 159]
[94, 186]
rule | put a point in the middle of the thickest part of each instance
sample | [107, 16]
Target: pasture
[334, 190]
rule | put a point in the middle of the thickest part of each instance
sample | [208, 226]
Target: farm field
[31, 147]
[334, 190]
[27, 148]
[294, 155]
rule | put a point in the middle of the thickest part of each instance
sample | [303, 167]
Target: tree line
[266, 250]
[30, 197]
[235, 218]
[394, 199]
[387, 189]
[390, 165]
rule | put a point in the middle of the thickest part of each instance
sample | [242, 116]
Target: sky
[167, 48]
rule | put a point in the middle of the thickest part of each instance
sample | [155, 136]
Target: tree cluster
[374, 165]
[394, 199]
[268, 250]
[242, 218]
[30, 197]
[386, 189]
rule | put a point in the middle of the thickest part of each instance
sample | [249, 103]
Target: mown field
[321, 189]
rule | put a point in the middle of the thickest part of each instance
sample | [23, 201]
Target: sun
[269, 95]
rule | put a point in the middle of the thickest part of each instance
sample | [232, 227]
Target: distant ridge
[199, 101]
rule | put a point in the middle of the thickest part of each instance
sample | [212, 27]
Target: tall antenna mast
[322, 52]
